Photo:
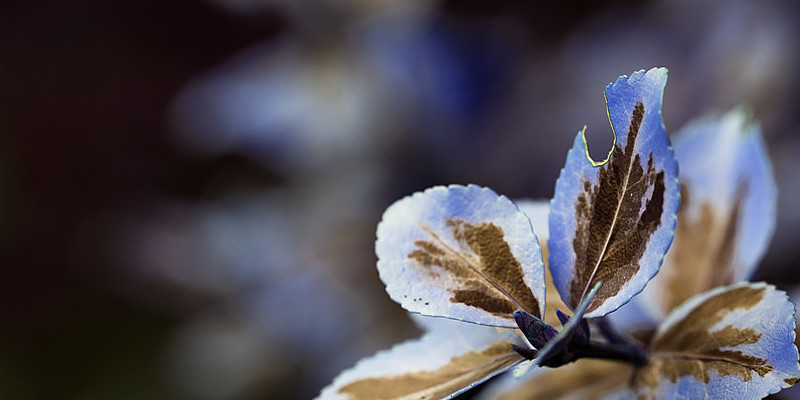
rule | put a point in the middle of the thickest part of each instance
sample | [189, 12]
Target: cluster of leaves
[699, 330]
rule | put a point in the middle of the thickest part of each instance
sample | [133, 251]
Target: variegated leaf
[449, 359]
[461, 252]
[732, 342]
[585, 379]
[727, 212]
[612, 222]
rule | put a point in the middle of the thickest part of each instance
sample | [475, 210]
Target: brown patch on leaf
[587, 379]
[458, 374]
[545, 252]
[613, 227]
[702, 254]
[643, 335]
[482, 273]
[552, 300]
[689, 348]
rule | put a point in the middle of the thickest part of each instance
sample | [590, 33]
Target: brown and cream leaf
[463, 253]
[614, 222]
[737, 338]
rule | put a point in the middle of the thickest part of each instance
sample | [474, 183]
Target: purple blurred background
[189, 190]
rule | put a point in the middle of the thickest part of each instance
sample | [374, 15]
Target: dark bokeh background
[189, 189]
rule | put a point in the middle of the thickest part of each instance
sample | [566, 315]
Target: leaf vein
[474, 268]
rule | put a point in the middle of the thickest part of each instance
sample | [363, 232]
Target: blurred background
[189, 189]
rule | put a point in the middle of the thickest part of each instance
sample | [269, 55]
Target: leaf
[727, 213]
[538, 212]
[585, 379]
[461, 252]
[451, 358]
[613, 223]
[731, 342]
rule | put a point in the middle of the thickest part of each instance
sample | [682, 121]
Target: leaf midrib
[693, 356]
[602, 254]
[473, 268]
[491, 365]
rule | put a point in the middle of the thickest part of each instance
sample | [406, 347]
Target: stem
[610, 333]
[629, 352]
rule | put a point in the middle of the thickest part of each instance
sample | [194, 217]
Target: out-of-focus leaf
[727, 212]
[461, 252]
[538, 212]
[731, 342]
[585, 379]
[613, 221]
